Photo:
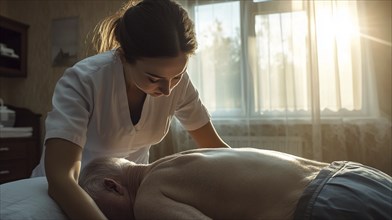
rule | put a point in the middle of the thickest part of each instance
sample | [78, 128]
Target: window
[217, 68]
[265, 58]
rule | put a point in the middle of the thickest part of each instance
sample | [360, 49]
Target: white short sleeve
[190, 110]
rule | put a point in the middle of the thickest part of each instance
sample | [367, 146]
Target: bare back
[243, 183]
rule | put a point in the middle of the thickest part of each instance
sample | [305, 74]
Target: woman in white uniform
[121, 101]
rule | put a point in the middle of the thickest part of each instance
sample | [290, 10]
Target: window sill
[300, 120]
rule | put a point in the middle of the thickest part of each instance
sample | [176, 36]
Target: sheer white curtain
[288, 69]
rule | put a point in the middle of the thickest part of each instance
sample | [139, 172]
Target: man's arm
[206, 136]
[62, 166]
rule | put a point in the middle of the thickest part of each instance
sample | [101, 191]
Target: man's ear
[112, 185]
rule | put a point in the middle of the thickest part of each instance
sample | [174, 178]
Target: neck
[135, 175]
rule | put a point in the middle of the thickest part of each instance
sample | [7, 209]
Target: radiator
[286, 144]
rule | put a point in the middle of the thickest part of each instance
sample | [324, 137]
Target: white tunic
[90, 109]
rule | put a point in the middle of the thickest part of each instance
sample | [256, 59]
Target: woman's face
[157, 76]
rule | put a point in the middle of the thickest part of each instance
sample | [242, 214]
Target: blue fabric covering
[347, 190]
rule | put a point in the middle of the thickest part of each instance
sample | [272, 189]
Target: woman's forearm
[206, 136]
[74, 201]
[62, 166]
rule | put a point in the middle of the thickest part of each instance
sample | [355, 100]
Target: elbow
[57, 184]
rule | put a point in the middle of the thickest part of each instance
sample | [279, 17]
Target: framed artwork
[65, 36]
[13, 48]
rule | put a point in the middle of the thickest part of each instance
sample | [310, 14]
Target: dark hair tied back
[148, 28]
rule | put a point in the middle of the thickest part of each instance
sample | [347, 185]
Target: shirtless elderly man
[242, 183]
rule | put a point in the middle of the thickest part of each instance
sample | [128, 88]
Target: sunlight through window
[217, 66]
[282, 60]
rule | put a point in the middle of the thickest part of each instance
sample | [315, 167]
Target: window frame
[248, 12]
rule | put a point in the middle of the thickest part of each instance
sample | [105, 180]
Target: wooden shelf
[19, 156]
[13, 48]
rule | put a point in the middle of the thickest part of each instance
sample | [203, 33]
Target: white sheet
[12, 132]
[28, 199]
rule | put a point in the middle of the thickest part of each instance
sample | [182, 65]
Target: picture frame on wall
[65, 37]
[13, 48]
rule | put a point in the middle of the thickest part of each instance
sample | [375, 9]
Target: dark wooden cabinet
[19, 156]
[13, 48]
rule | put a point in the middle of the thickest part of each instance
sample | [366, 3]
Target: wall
[35, 91]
